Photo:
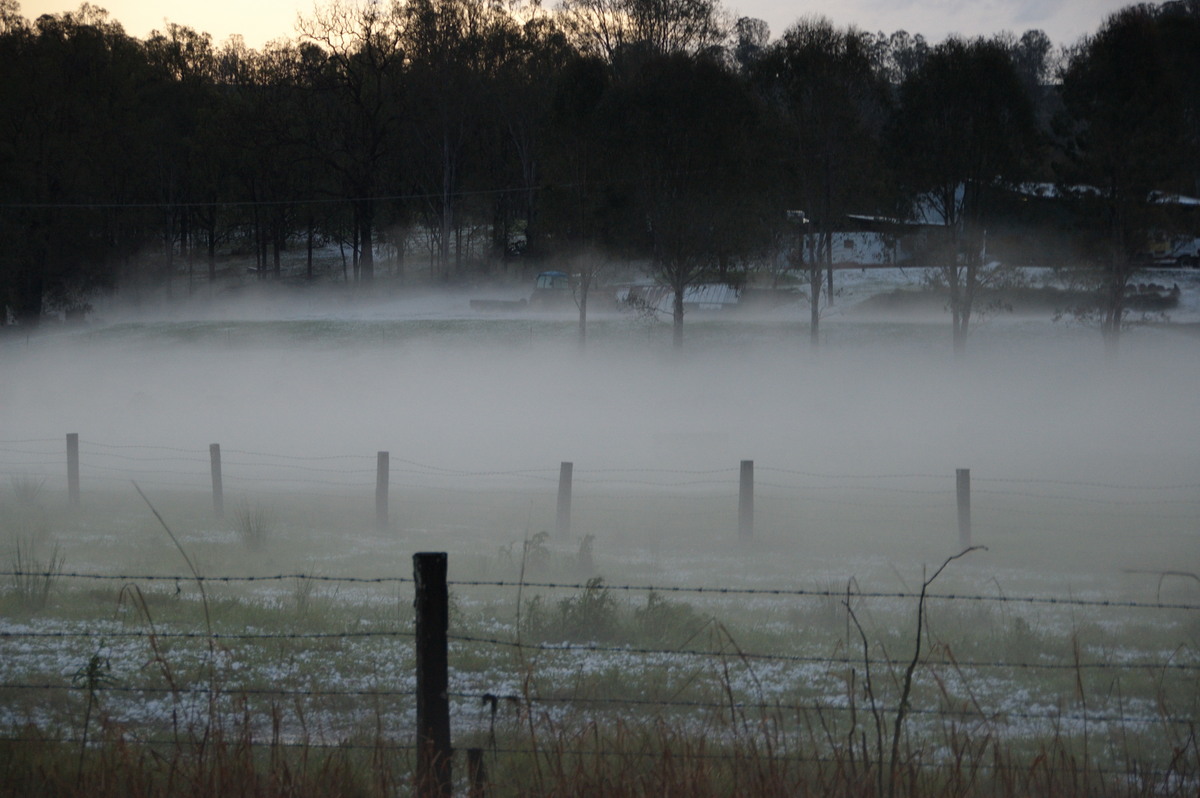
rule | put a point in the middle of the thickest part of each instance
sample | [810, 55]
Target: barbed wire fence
[756, 494]
[42, 465]
[403, 700]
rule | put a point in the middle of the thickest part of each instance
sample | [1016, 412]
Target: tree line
[446, 136]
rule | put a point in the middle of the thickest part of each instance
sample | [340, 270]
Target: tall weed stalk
[33, 579]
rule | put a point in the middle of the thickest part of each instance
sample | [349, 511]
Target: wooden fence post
[562, 524]
[433, 702]
[73, 468]
[476, 774]
[746, 501]
[382, 470]
[214, 458]
[963, 489]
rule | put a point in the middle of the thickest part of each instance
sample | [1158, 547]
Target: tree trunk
[1114, 311]
[259, 260]
[829, 266]
[185, 246]
[585, 284]
[954, 286]
[367, 257]
[960, 340]
[263, 243]
[27, 311]
[277, 248]
[677, 319]
[308, 266]
[970, 283]
[954, 283]
[447, 220]
[500, 225]
[1116, 283]
[169, 251]
[212, 253]
[814, 302]
[531, 227]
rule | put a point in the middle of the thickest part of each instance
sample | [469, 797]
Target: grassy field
[650, 651]
[597, 667]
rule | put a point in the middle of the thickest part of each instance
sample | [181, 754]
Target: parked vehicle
[1173, 251]
[550, 290]
[1186, 252]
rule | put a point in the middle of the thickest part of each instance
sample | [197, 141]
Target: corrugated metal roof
[710, 296]
[706, 296]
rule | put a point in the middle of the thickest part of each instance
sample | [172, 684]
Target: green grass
[570, 719]
[35, 575]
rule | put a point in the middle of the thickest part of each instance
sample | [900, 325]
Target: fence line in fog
[50, 458]
[87, 462]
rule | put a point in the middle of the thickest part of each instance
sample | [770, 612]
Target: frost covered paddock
[669, 635]
[651, 640]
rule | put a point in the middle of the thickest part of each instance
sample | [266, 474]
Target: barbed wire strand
[825, 593]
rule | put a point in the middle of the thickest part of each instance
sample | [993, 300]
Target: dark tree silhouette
[1131, 96]
[364, 45]
[832, 107]
[963, 130]
[683, 135]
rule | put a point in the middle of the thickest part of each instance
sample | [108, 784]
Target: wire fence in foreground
[484, 688]
[818, 669]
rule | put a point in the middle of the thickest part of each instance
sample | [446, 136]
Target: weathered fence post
[562, 526]
[963, 485]
[746, 501]
[214, 458]
[433, 702]
[73, 467]
[382, 469]
[476, 774]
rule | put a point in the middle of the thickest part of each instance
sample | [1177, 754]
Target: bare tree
[685, 130]
[364, 44]
[832, 106]
[965, 126]
[1130, 92]
[609, 28]
[587, 268]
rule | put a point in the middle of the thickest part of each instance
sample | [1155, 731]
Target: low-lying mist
[429, 381]
[656, 603]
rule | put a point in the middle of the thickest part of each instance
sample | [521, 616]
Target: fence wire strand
[597, 494]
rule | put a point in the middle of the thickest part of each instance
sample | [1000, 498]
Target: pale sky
[262, 20]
